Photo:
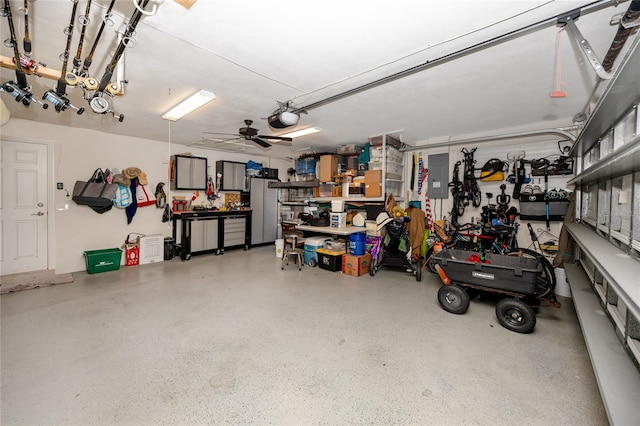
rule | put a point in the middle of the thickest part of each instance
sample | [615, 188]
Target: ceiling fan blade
[261, 142]
[216, 133]
[223, 140]
[278, 138]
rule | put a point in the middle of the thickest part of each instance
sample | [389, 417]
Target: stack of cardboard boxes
[347, 184]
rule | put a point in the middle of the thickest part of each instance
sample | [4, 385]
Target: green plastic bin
[103, 260]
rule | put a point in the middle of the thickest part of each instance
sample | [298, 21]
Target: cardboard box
[328, 167]
[373, 189]
[372, 176]
[356, 265]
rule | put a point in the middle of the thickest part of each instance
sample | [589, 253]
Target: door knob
[37, 214]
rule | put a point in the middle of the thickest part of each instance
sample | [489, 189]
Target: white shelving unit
[604, 282]
[385, 156]
[385, 150]
[293, 198]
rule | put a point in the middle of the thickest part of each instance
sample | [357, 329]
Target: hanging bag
[493, 170]
[143, 198]
[96, 193]
[123, 198]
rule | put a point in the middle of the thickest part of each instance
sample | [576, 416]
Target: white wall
[534, 148]
[76, 154]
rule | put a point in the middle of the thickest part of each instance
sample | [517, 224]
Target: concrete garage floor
[233, 339]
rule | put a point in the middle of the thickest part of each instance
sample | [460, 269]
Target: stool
[297, 253]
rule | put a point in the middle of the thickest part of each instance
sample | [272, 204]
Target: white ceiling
[254, 53]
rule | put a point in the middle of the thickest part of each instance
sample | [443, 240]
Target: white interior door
[23, 207]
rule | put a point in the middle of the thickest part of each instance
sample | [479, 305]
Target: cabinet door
[228, 183]
[233, 175]
[211, 234]
[239, 175]
[270, 215]
[204, 235]
[257, 205]
[197, 235]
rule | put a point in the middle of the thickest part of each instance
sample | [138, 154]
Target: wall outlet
[60, 185]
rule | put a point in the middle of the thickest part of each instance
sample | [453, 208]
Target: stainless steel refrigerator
[264, 204]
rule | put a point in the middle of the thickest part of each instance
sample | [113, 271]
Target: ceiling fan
[249, 133]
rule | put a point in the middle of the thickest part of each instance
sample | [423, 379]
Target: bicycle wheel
[458, 205]
[477, 198]
[546, 281]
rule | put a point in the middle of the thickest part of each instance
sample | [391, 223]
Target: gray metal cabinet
[233, 175]
[188, 172]
[264, 204]
[204, 235]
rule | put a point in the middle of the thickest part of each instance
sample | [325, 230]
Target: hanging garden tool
[58, 97]
[18, 89]
[427, 205]
[421, 174]
[73, 78]
[98, 102]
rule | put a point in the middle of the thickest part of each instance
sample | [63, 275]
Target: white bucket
[562, 286]
[337, 206]
[279, 247]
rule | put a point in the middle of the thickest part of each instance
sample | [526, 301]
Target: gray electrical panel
[438, 178]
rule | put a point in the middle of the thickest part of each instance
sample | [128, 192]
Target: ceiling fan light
[283, 119]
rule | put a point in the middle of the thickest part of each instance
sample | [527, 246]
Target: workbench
[211, 231]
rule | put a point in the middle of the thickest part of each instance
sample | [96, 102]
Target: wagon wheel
[431, 262]
[453, 299]
[418, 267]
[515, 315]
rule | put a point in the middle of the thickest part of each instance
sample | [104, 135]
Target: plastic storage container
[279, 247]
[306, 166]
[103, 260]
[311, 244]
[357, 244]
[330, 260]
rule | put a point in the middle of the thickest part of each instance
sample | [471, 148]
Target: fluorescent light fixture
[302, 132]
[189, 105]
